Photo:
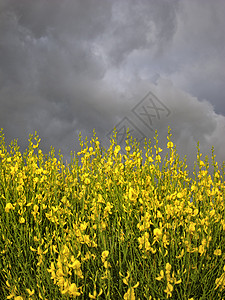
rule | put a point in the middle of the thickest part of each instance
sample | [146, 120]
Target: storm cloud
[77, 65]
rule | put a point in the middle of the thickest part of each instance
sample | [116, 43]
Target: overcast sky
[76, 65]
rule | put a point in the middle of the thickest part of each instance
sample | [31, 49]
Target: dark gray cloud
[71, 66]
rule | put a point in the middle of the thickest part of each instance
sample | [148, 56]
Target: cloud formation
[73, 66]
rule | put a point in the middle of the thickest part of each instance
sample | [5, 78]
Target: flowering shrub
[110, 227]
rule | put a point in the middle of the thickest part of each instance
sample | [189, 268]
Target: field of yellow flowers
[108, 226]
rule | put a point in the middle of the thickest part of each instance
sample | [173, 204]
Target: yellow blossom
[165, 241]
[179, 195]
[130, 295]
[170, 145]
[87, 181]
[21, 220]
[117, 149]
[8, 207]
[105, 255]
[202, 164]
[161, 276]
[157, 234]
[217, 252]
[125, 279]
[201, 249]
[192, 227]
[168, 290]
[178, 281]
[107, 264]
[168, 268]
[30, 292]
[75, 263]
[158, 158]
[220, 282]
[73, 290]
[83, 226]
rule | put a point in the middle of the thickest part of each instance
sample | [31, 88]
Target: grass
[108, 226]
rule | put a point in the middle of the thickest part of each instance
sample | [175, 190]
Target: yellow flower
[168, 268]
[105, 255]
[202, 163]
[143, 241]
[73, 290]
[8, 207]
[136, 285]
[161, 276]
[92, 296]
[107, 264]
[132, 194]
[100, 199]
[201, 249]
[125, 279]
[86, 239]
[30, 292]
[165, 241]
[157, 234]
[217, 252]
[130, 295]
[168, 290]
[54, 247]
[192, 227]
[220, 282]
[21, 220]
[75, 263]
[195, 212]
[32, 249]
[159, 214]
[35, 208]
[158, 158]
[178, 281]
[159, 150]
[108, 208]
[87, 181]
[179, 195]
[83, 226]
[169, 145]
[117, 149]
[204, 242]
